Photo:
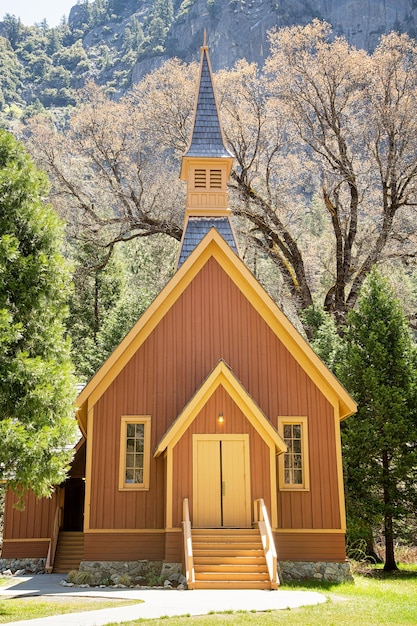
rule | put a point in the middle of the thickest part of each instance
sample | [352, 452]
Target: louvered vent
[215, 179]
[200, 179]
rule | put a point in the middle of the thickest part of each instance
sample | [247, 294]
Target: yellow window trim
[135, 419]
[289, 420]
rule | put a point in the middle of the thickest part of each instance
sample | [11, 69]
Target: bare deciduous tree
[324, 140]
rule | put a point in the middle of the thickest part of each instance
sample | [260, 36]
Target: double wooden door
[221, 481]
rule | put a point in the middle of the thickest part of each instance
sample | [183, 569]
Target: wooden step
[231, 584]
[232, 549]
[69, 552]
[228, 576]
[229, 559]
[252, 561]
[231, 567]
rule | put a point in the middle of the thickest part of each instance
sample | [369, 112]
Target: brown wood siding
[25, 549]
[174, 547]
[124, 547]
[310, 547]
[36, 520]
[211, 320]
[206, 423]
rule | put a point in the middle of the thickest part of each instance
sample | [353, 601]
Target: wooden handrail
[53, 541]
[188, 545]
[262, 519]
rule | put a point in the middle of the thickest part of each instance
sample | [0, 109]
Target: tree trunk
[390, 564]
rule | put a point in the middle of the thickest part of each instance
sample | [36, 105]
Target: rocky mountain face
[117, 42]
[238, 28]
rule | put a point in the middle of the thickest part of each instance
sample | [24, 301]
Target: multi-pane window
[135, 453]
[293, 464]
[293, 458]
[135, 447]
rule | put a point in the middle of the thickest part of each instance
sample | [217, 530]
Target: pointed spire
[207, 136]
[206, 167]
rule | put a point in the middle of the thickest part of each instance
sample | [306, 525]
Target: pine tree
[37, 388]
[380, 441]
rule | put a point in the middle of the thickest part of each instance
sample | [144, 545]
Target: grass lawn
[15, 609]
[374, 600]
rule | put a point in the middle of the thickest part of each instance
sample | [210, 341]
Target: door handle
[223, 488]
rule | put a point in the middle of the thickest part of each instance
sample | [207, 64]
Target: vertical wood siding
[211, 320]
[35, 521]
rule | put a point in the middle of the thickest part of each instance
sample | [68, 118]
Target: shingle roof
[207, 139]
[198, 227]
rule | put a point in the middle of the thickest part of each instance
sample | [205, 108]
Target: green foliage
[11, 75]
[37, 386]
[378, 366]
[325, 341]
[80, 578]
[107, 301]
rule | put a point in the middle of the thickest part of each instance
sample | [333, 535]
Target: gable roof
[223, 376]
[214, 246]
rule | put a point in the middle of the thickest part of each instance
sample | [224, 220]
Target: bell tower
[206, 167]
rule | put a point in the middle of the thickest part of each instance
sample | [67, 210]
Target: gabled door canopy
[223, 376]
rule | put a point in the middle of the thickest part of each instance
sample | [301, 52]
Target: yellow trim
[195, 212]
[135, 419]
[214, 246]
[169, 487]
[143, 531]
[220, 375]
[88, 469]
[27, 540]
[273, 481]
[310, 531]
[339, 469]
[303, 421]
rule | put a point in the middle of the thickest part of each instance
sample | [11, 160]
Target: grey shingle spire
[207, 137]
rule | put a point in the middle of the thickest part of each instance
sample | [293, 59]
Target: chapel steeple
[206, 167]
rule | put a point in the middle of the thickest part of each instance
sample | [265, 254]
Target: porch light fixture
[220, 419]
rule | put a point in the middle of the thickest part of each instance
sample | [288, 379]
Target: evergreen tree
[37, 388]
[380, 441]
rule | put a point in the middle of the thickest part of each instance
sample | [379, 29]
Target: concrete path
[156, 602]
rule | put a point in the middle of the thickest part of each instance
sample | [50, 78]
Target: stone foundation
[320, 570]
[24, 566]
[141, 572]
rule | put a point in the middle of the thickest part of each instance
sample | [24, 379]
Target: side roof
[195, 230]
[213, 245]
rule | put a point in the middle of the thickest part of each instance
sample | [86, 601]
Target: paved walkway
[156, 602]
